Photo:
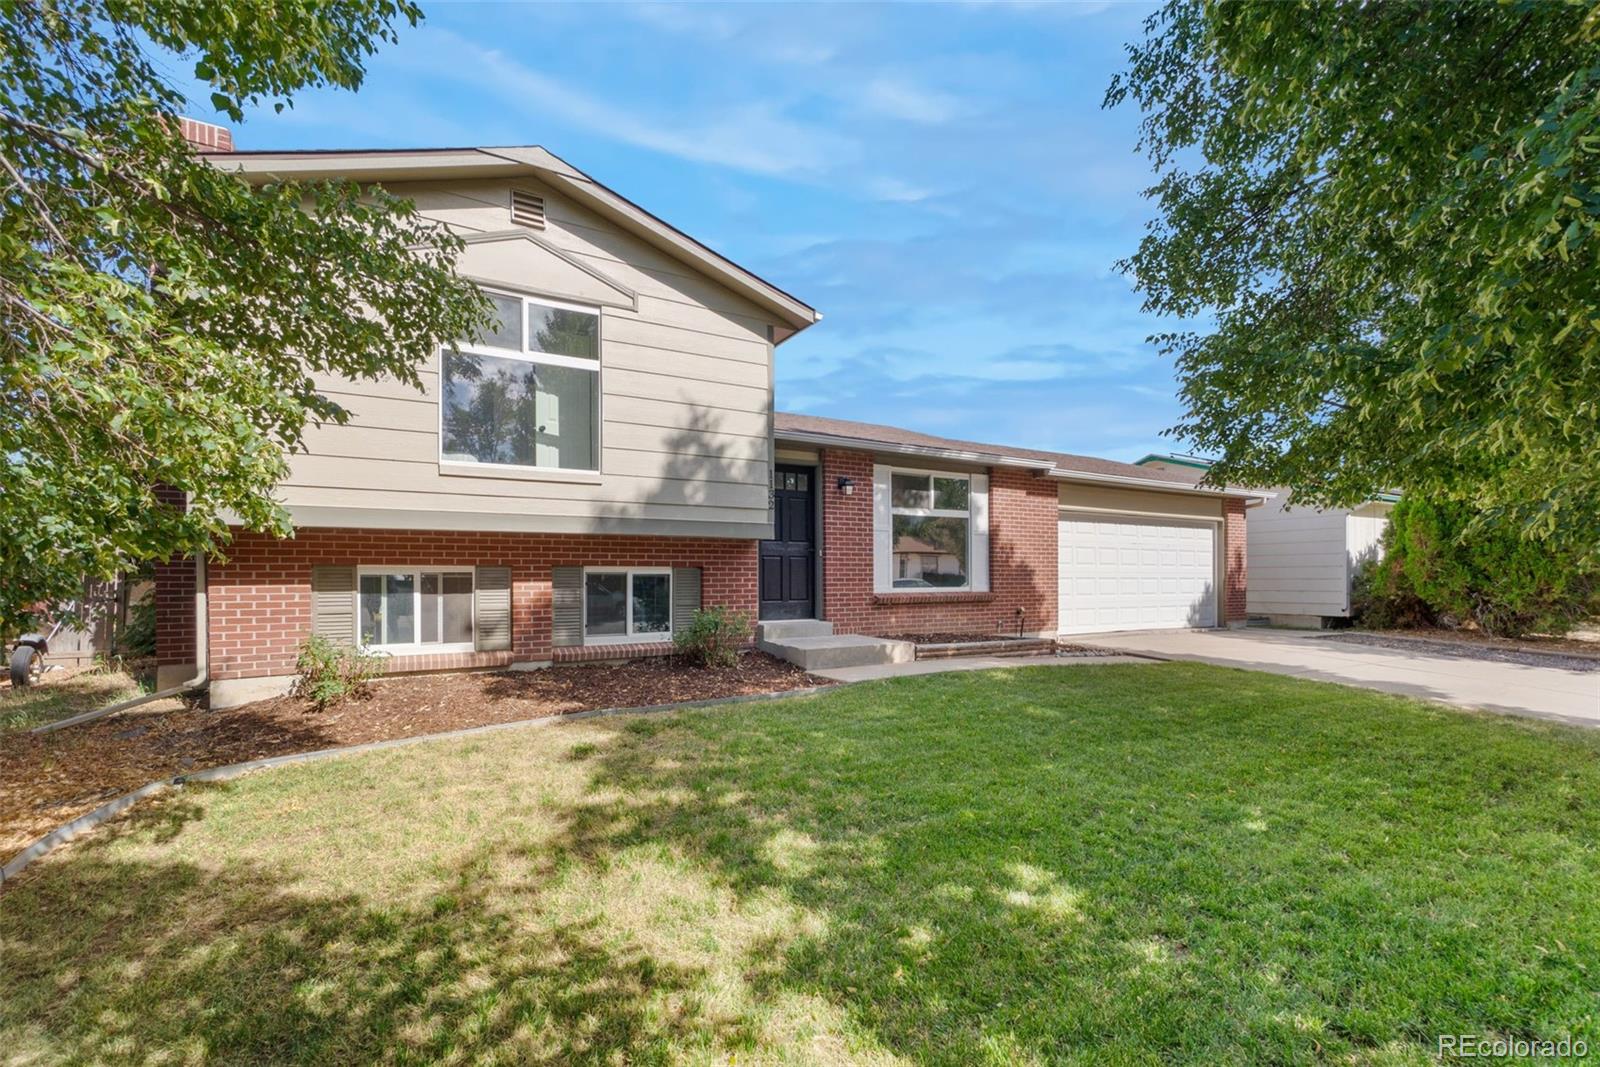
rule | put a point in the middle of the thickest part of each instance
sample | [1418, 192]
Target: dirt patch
[48, 779]
[950, 638]
[1543, 652]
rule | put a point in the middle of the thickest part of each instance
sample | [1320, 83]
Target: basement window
[404, 611]
[626, 604]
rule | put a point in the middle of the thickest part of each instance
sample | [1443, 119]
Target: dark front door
[789, 561]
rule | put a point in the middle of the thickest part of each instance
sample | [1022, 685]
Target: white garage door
[1136, 574]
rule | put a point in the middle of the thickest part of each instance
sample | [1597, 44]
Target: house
[1302, 560]
[881, 530]
[574, 485]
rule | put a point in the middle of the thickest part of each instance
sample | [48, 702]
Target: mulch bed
[1066, 648]
[47, 779]
[1465, 644]
[950, 638]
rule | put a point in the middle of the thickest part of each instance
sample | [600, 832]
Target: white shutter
[978, 577]
[882, 531]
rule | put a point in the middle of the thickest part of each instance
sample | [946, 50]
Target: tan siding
[1139, 501]
[686, 383]
[344, 497]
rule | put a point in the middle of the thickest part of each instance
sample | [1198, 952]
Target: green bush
[714, 637]
[1379, 603]
[137, 638]
[329, 673]
[1442, 562]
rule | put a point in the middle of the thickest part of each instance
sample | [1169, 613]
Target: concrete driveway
[1546, 692]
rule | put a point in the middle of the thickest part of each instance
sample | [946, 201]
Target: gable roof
[435, 164]
[1065, 466]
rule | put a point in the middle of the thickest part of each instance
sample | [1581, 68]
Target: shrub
[1379, 603]
[137, 638]
[714, 637]
[329, 673]
[1459, 565]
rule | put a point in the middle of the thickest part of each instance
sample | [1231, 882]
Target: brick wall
[1235, 559]
[174, 594]
[260, 599]
[1022, 560]
[206, 136]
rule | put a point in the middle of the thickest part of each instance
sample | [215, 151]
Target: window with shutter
[333, 603]
[493, 608]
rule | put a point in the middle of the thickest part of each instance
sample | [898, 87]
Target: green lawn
[1100, 864]
[62, 694]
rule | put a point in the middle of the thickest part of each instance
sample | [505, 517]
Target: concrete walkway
[875, 671]
[1545, 692]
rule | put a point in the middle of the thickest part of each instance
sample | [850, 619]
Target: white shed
[1301, 559]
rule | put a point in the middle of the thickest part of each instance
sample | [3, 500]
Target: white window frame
[581, 474]
[629, 638]
[418, 648]
[976, 513]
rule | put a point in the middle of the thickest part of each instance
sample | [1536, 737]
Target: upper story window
[526, 392]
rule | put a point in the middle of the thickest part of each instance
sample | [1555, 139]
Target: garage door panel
[1126, 573]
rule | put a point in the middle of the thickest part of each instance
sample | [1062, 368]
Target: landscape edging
[75, 828]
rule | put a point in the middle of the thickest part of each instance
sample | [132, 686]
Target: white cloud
[752, 136]
[895, 99]
[896, 191]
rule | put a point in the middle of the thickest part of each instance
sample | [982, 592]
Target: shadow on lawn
[1180, 884]
[241, 966]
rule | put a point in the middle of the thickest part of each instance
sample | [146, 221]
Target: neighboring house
[1301, 559]
[575, 485]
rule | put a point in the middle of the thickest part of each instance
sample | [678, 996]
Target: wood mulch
[948, 638]
[48, 779]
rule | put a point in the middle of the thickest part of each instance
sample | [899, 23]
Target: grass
[62, 694]
[1107, 864]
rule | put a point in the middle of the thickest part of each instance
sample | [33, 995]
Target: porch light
[846, 486]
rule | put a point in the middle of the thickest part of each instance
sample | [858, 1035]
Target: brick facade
[174, 593]
[260, 599]
[1235, 566]
[1022, 560]
[174, 598]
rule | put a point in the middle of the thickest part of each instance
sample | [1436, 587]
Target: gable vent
[527, 209]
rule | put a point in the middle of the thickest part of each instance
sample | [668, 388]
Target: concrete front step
[780, 629]
[829, 651]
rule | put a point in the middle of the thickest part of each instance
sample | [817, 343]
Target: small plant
[713, 638]
[137, 638]
[329, 673]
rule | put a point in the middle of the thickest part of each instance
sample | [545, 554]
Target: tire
[27, 663]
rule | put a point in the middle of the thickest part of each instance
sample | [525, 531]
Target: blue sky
[940, 181]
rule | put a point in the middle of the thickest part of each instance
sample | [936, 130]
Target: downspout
[202, 663]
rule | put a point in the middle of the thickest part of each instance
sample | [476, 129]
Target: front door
[789, 561]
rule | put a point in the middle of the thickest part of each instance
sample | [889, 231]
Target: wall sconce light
[846, 486]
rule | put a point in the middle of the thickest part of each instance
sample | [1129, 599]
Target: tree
[1500, 582]
[161, 322]
[1387, 213]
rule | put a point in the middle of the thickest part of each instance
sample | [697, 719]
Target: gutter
[1257, 495]
[1044, 468]
[202, 660]
[856, 444]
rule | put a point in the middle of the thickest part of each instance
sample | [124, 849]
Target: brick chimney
[204, 136]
